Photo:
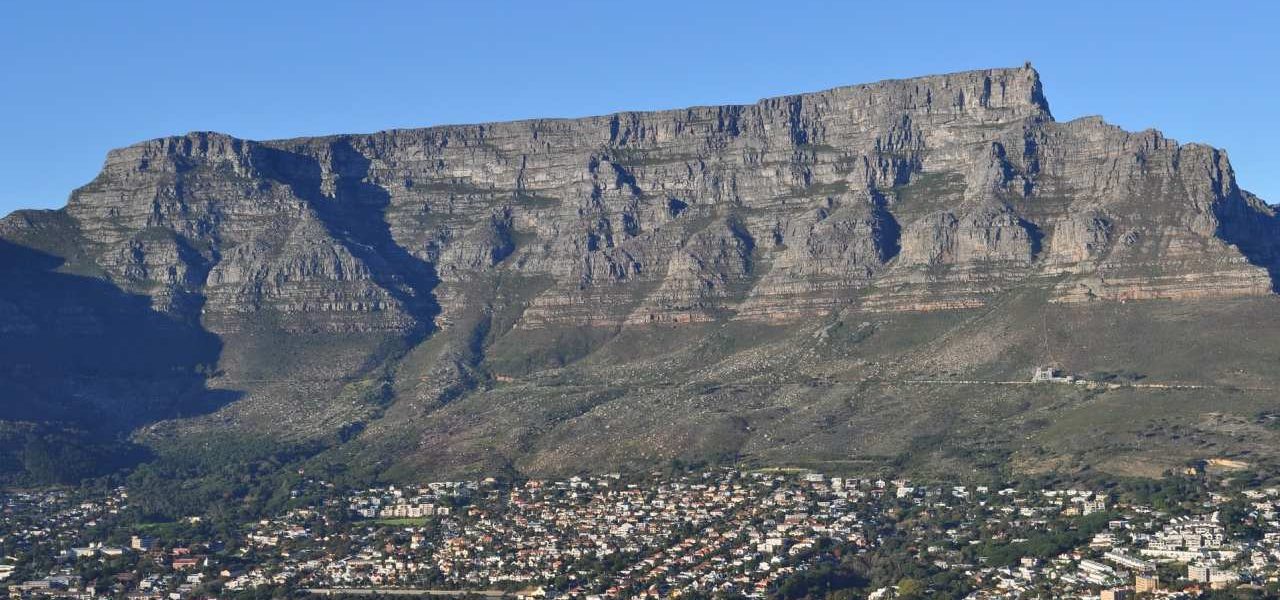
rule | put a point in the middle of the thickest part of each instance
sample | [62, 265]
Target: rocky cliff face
[418, 256]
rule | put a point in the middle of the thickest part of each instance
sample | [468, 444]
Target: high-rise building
[1200, 573]
[142, 543]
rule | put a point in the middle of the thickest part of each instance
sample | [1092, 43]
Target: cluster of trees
[48, 453]
[827, 580]
[1242, 593]
[1174, 494]
[222, 477]
[1043, 544]
[840, 572]
[1120, 376]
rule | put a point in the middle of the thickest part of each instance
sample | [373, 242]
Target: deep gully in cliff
[355, 216]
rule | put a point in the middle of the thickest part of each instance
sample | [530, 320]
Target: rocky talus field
[850, 279]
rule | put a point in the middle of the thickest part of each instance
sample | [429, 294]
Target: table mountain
[811, 279]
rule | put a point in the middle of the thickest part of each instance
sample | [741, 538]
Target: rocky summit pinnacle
[810, 278]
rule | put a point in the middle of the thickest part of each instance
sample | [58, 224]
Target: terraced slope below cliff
[802, 279]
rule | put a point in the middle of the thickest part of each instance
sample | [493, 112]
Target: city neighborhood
[718, 533]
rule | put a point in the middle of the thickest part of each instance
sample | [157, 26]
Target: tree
[910, 588]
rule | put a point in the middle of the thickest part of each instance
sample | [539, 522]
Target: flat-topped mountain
[848, 278]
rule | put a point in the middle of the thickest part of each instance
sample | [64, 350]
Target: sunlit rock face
[900, 195]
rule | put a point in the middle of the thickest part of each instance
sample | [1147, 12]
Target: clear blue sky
[79, 78]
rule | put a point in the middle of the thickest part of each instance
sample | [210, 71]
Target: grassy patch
[404, 522]
[928, 192]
